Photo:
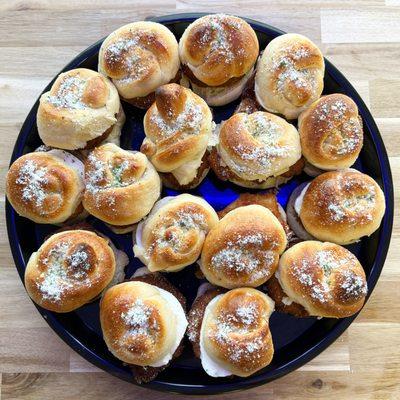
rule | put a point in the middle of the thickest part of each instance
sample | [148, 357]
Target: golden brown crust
[154, 50]
[275, 291]
[218, 48]
[146, 101]
[136, 321]
[342, 206]
[224, 173]
[259, 145]
[120, 186]
[147, 374]
[325, 278]
[46, 187]
[69, 269]
[173, 235]
[177, 127]
[331, 132]
[267, 200]
[243, 248]
[80, 108]
[289, 75]
[196, 314]
[236, 333]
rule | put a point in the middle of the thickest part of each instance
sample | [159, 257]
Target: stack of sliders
[254, 257]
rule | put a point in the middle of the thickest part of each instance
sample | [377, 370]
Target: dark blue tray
[296, 341]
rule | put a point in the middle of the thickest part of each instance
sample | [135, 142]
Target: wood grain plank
[78, 364]
[362, 25]
[288, 18]
[375, 353]
[361, 37]
[385, 297]
[17, 96]
[299, 385]
[31, 62]
[365, 61]
[385, 101]
[16, 309]
[61, 5]
[70, 31]
[390, 131]
[24, 5]
[32, 350]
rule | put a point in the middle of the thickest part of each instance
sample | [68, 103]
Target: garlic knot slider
[243, 248]
[258, 150]
[46, 186]
[138, 58]
[70, 269]
[290, 75]
[121, 186]
[318, 279]
[331, 132]
[81, 110]
[178, 128]
[142, 324]
[173, 234]
[234, 337]
[218, 53]
[337, 206]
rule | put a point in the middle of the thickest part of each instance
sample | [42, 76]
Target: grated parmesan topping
[98, 179]
[328, 261]
[240, 322]
[239, 257]
[138, 319]
[285, 63]
[33, 179]
[353, 285]
[351, 208]
[126, 51]
[172, 232]
[64, 271]
[220, 37]
[347, 133]
[69, 94]
[267, 133]
[189, 121]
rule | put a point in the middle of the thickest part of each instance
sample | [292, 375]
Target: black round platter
[296, 340]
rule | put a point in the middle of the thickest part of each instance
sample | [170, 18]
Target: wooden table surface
[361, 37]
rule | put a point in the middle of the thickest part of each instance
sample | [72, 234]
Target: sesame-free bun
[243, 248]
[79, 111]
[139, 57]
[325, 278]
[342, 206]
[70, 269]
[290, 75]
[178, 127]
[142, 324]
[173, 235]
[331, 132]
[258, 147]
[217, 48]
[121, 186]
[46, 186]
[235, 334]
